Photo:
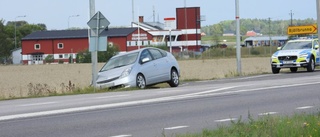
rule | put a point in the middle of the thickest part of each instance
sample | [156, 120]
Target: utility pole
[15, 30]
[270, 43]
[291, 14]
[154, 14]
[132, 10]
[186, 22]
[94, 54]
[238, 38]
[318, 16]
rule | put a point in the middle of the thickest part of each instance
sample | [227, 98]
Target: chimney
[141, 19]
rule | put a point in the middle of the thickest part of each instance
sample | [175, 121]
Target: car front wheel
[311, 65]
[275, 70]
[174, 80]
[293, 69]
[141, 81]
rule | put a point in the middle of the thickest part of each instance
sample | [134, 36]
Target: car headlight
[126, 72]
[304, 55]
[274, 57]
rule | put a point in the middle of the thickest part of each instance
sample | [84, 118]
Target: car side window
[164, 53]
[156, 53]
[145, 54]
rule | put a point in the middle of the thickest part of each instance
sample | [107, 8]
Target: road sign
[296, 30]
[98, 23]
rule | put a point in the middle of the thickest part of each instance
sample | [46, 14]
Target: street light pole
[15, 30]
[71, 17]
[238, 38]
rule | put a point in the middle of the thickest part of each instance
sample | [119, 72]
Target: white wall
[16, 56]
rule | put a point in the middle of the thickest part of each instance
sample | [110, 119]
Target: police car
[295, 54]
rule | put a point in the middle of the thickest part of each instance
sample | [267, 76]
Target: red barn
[189, 21]
[63, 44]
[184, 33]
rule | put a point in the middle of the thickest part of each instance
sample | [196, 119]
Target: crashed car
[139, 68]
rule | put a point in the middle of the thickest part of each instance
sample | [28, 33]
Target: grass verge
[298, 125]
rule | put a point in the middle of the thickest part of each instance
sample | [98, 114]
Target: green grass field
[298, 125]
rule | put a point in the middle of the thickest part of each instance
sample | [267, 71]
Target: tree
[217, 31]
[13, 30]
[278, 27]
[6, 43]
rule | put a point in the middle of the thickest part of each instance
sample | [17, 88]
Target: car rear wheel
[293, 69]
[311, 65]
[174, 81]
[141, 81]
[275, 70]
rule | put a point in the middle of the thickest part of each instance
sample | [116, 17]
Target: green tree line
[263, 26]
[12, 30]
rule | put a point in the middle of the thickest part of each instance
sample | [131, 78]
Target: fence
[261, 51]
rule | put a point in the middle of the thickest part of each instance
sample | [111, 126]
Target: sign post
[97, 24]
[296, 30]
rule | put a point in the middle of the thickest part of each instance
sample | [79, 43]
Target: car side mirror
[316, 46]
[144, 60]
[279, 48]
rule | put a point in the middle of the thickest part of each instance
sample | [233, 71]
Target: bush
[60, 61]
[70, 59]
[103, 56]
[49, 59]
[255, 52]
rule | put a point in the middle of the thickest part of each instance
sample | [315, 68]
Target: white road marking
[267, 113]
[264, 88]
[184, 84]
[37, 104]
[139, 102]
[225, 120]
[256, 76]
[305, 107]
[104, 97]
[176, 127]
[203, 81]
[122, 136]
[170, 91]
[104, 106]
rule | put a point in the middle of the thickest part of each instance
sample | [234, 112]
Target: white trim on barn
[36, 59]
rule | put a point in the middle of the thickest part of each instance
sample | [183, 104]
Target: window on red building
[37, 46]
[60, 45]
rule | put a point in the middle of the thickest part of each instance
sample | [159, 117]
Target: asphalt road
[157, 112]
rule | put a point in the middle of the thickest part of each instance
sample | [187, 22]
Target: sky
[59, 14]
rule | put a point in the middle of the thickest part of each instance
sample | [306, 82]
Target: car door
[315, 42]
[161, 65]
[147, 68]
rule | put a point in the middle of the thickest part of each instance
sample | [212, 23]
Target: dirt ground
[15, 80]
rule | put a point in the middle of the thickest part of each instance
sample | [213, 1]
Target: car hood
[111, 74]
[292, 52]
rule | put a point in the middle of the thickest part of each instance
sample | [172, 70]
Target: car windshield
[120, 61]
[298, 45]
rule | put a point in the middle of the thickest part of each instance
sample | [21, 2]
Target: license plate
[287, 62]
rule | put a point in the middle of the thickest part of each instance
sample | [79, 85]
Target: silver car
[140, 68]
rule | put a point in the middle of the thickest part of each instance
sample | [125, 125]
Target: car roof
[134, 51]
[301, 40]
